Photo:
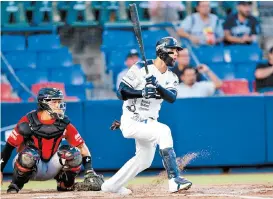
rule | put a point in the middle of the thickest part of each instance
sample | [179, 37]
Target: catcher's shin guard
[71, 159]
[169, 161]
[24, 168]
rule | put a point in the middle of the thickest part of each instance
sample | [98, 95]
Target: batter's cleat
[121, 191]
[179, 184]
[13, 188]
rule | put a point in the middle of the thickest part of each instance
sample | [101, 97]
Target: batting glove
[149, 91]
[150, 79]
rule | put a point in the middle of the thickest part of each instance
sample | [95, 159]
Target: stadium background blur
[80, 47]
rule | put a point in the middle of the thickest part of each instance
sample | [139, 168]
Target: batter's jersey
[135, 78]
[70, 134]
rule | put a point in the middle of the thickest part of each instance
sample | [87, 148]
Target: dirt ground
[231, 191]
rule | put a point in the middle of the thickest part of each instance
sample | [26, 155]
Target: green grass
[196, 179]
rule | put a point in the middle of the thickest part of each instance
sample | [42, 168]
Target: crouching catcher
[37, 137]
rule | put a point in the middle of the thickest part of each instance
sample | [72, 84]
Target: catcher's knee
[27, 160]
[70, 158]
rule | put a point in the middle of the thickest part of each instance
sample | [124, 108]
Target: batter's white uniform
[139, 121]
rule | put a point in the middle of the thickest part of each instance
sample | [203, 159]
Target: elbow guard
[120, 93]
[125, 92]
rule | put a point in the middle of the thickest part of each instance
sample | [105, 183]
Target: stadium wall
[223, 131]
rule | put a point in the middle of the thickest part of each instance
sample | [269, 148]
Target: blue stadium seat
[245, 70]
[43, 42]
[151, 37]
[72, 75]
[22, 59]
[76, 12]
[9, 13]
[223, 70]
[209, 54]
[117, 59]
[150, 53]
[43, 13]
[117, 38]
[12, 43]
[29, 77]
[55, 58]
[78, 90]
[242, 54]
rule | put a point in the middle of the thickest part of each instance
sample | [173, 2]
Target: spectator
[264, 74]
[241, 27]
[202, 27]
[183, 60]
[191, 88]
[165, 11]
[131, 59]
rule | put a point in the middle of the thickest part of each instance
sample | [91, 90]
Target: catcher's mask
[51, 100]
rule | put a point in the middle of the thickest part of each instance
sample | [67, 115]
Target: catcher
[37, 137]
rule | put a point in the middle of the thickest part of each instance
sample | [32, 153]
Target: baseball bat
[137, 30]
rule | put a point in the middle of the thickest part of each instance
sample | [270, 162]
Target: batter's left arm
[166, 94]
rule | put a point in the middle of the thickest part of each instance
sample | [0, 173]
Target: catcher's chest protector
[47, 137]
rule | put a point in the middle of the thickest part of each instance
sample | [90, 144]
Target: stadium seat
[150, 53]
[223, 70]
[77, 90]
[116, 38]
[9, 13]
[245, 70]
[209, 54]
[21, 59]
[6, 94]
[29, 77]
[76, 12]
[237, 86]
[42, 13]
[243, 54]
[52, 59]
[43, 42]
[73, 75]
[12, 43]
[36, 87]
[151, 37]
[117, 59]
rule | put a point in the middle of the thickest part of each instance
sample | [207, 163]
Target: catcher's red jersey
[70, 134]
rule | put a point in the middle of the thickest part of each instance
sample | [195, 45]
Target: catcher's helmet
[162, 49]
[45, 96]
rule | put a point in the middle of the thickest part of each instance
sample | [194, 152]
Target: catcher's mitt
[91, 182]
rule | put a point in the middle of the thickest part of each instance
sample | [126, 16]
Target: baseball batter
[37, 137]
[143, 95]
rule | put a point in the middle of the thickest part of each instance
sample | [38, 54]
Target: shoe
[178, 184]
[121, 191]
[124, 191]
[13, 188]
